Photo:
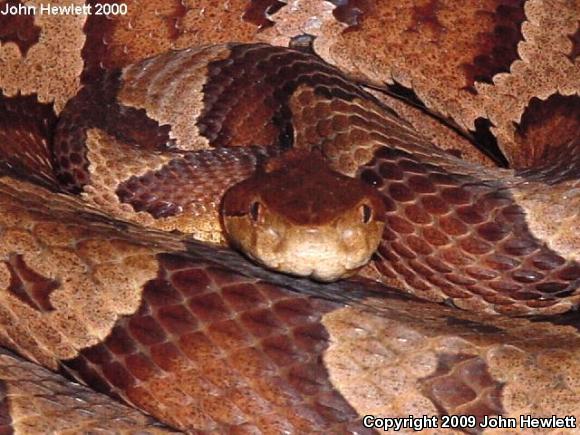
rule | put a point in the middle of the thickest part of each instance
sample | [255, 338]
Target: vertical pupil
[367, 213]
[255, 210]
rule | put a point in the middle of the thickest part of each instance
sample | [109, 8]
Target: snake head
[303, 218]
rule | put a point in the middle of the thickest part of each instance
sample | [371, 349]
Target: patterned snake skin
[201, 340]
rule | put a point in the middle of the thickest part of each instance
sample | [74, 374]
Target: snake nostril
[366, 212]
[255, 210]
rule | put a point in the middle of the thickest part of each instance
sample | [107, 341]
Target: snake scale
[177, 335]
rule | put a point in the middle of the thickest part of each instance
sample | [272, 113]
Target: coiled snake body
[118, 138]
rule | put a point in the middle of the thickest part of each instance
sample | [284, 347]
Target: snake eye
[367, 213]
[255, 210]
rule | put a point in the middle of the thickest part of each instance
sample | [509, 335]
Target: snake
[289, 216]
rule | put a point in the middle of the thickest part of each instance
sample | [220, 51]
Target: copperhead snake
[204, 341]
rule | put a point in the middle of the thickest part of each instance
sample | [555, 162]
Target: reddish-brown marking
[267, 76]
[352, 12]
[228, 339]
[497, 48]
[549, 137]
[96, 106]
[453, 232]
[102, 52]
[426, 15]
[462, 381]
[196, 178]
[258, 11]
[19, 28]
[26, 128]
[28, 286]
[174, 19]
[6, 427]
[417, 214]
[95, 53]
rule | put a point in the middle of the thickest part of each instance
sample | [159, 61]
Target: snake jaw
[321, 253]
